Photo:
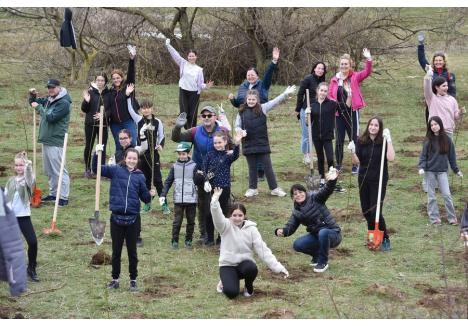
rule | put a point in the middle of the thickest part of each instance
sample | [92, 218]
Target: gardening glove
[147, 207]
[429, 71]
[181, 120]
[421, 171]
[143, 130]
[285, 272]
[290, 89]
[460, 174]
[339, 78]
[131, 50]
[332, 174]
[168, 41]
[162, 200]
[352, 147]
[366, 54]
[421, 38]
[386, 135]
[99, 147]
[207, 186]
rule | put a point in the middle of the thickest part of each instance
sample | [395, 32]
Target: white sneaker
[247, 294]
[278, 192]
[219, 287]
[251, 193]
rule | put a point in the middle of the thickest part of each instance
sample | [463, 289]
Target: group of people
[203, 179]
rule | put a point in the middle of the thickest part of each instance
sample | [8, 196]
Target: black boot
[32, 274]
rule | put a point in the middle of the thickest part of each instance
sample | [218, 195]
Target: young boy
[184, 174]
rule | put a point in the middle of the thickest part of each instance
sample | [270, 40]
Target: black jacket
[309, 82]
[323, 119]
[67, 34]
[256, 141]
[91, 108]
[313, 213]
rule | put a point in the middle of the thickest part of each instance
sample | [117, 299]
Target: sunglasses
[204, 116]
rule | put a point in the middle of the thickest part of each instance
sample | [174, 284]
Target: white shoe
[219, 287]
[278, 192]
[251, 193]
[247, 294]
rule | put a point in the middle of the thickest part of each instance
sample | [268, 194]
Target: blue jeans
[116, 127]
[318, 245]
[304, 133]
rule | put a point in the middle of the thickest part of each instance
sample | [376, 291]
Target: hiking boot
[63, 202]
[165, 209]
[354, 170]
[133, 286]
[339, 189]
[385, 246]
[114, 284]
[139, 242]
[32, 274]
[320, 268]
[247, 294]
[219, 287]
[48, 198]
[278, 192]
[175, 245]
[188, 244]
[251, 193]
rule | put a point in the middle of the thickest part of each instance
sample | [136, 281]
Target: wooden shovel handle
[59, 186]
[99, 159]
[309, 129]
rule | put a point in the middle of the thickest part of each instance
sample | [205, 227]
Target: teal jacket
[55, 117]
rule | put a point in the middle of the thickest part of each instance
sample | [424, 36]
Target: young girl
[345, 88]
[367, 153]
[150, 162]
[127, 187]
[217, 172]
[239, 239]
[93, 99]
[252, 120]
[18, 192]
[323, 126]
[438, 150]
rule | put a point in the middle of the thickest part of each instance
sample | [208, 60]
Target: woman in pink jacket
[345, 89]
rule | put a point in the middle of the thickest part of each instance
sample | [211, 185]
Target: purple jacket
[356, 78]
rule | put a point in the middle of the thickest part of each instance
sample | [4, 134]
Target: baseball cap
[209, 109]
[52, 83]
[183, 147]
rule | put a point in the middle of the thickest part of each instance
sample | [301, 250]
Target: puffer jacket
[356, 78]
[126, 189]
[183, 175]
[12, 260]
[93, 106]
[313, 213]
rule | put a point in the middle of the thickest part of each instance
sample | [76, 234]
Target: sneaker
[320, 268]
[188, 244]
[436, 223]
[339, 188]
[354, 170]
[88, 174]
[209, 243]
[219, 287]
[63, 202]
[175, 245]
[385, 246]
[165, 209]
[278, 192]
[133, 285]
[313, 262]
[247, 294]
[139, 242]
[48, 198]
[251, 193]
[454, 222]
[32, 274]
[114, 284]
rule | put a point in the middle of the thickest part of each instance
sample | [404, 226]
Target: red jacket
[356, 78]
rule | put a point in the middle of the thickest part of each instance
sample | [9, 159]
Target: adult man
[202, 138]
[55, 118]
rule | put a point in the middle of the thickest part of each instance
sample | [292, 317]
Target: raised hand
[366, 54]
[275, 54]
[216, 194]
[239, 135]
[181, 120]
[131, 51]
[421, 38]
[130, 89]
[429, 71]
[290, 89]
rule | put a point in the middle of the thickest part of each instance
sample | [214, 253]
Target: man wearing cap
[54, 111]
[201, 137]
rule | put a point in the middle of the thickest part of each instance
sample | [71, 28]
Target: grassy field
[424, 276]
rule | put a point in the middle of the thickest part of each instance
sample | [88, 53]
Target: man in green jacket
[55, 118]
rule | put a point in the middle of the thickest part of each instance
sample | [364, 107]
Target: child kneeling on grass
[128, 186]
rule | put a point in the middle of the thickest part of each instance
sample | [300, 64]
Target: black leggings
[231, 275]
[188, 103]
[320, 146]
[27, 230]
[368, 192]
[145, 167]
[92, 133]
[347, 121]
[120, 233]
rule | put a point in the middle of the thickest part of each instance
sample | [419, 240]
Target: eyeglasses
[204, 116]
[123, 138]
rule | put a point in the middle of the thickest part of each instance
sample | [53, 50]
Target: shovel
[312, 181]
[37, 193]
[53, 228]
[375, 237]
[97, 226]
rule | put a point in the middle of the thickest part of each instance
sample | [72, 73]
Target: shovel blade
[98, 228]
[374, 239]
[312, 182]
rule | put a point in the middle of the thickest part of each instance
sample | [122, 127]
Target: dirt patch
[423, 210]
[291, 176]
[398, 171]
[347, 215]
[279, 314]
[391, 230]
[270, 293]
[414, 139]
[88, 243]
[410, 153]
[101, 258]
[212, 97]
[449, 301]
[10, 313]
[12, 107]
[159, 286]
[341, 252]
[387, 291]
[296, 274]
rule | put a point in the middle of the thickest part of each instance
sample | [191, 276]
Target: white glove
[307, 110]
[352, 147]
[162, 200]
[143, 129]
[366, 54]
[285, 272]
[244, 133]
[339, 78]
[131, 50]
[429, 71]
[168, 41]
[421, 171]
[207, 186]
[460, 174]
[332, 174]
[290, 89]
[386, 135]
[421, 38]
[99, 147]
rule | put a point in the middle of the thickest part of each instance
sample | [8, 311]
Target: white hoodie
[239, 243]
